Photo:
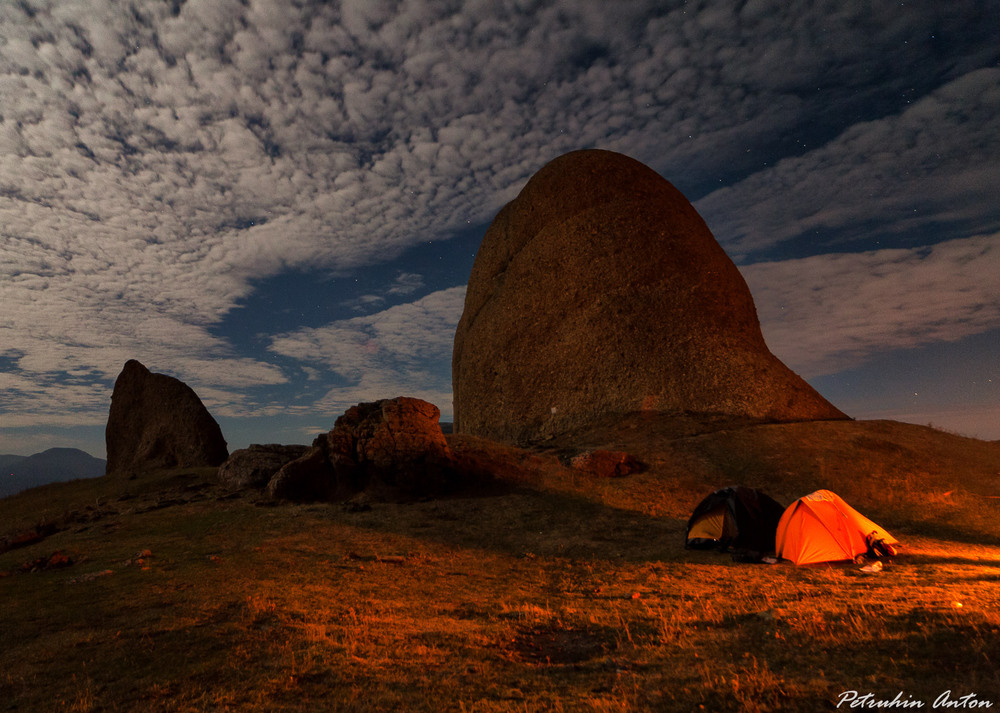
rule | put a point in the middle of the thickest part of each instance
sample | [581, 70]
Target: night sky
[279, 202]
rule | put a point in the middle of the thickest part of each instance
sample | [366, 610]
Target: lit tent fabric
[821, 527]
[735, 518]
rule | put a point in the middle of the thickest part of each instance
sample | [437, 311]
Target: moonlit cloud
[406, 283]
[160, 161]
[882, 178]
[826, 313]
[402, 351]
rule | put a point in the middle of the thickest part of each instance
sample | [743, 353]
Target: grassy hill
[549, 590]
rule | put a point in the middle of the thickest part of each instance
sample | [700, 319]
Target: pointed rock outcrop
[599, 290]
[157, 421]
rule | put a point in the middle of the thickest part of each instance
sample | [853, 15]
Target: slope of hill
[19, 473]
[7, 460]
[551, 590]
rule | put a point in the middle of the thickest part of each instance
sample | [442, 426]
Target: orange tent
[821, 527]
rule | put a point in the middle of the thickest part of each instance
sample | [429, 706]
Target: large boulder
[157, 421]
[599, 290]
[310, 477]
[393, 448]
[254, 467]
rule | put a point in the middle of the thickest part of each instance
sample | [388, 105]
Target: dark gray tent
[735, 518]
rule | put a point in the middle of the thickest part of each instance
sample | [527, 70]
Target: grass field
[550, 591]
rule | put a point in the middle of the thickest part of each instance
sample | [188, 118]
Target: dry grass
[559, 593]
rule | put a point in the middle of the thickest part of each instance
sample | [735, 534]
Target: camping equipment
[736, 518]
[821, 527]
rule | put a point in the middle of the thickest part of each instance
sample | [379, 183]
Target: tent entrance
[716, 524]
[737, 519]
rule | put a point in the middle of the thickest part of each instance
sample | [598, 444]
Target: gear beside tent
[821, 527]
[734, 518]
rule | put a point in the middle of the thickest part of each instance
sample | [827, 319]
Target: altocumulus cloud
[825, 313]
[907, 177]
[158, 159]
[387, 353]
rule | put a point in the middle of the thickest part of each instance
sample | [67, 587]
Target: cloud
[52, 401]
[404, 350]
[420, 330]
[933, 166]
[406, 283]
[158, 162]
[826, 313]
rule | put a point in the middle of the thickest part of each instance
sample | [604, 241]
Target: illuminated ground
[551, 591]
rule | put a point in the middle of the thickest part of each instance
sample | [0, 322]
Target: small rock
[605, 464]
[359, 503]
[91, 576]
[56, 560]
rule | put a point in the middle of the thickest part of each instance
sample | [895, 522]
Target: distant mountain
[19, 473]
[8, 461]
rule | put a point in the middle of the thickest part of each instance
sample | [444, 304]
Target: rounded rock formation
[599, 290]
[157, 421]
[254, 467]
[393, 448]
